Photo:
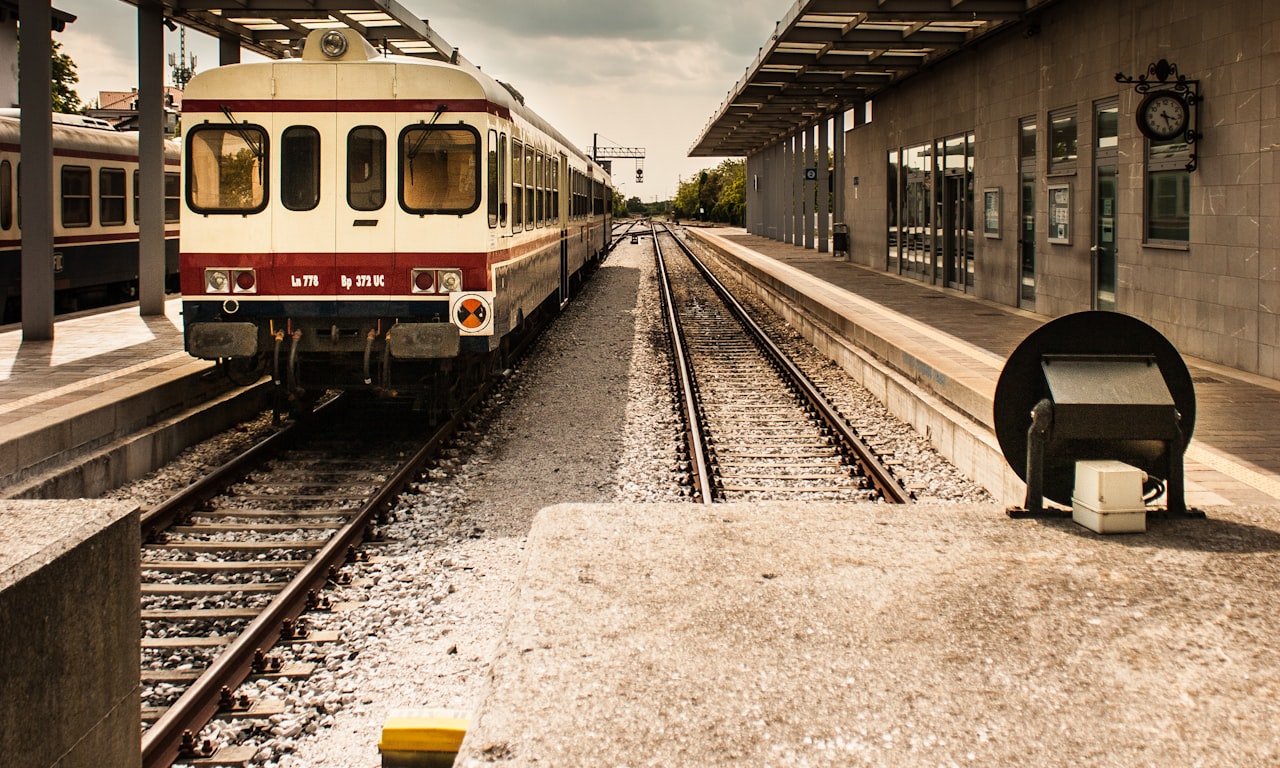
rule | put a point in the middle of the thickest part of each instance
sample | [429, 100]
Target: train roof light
[333, 44]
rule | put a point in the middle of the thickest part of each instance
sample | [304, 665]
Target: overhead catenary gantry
[827, 58]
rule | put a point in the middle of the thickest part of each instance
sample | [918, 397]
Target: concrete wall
[1216, 297]
[69, 647]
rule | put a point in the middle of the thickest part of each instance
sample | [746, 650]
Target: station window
[517, 185]
[1062, 141]
[300, 168]
[111, 196]
[440, 169]
[226, 168]
[493, 182]
[366, 168]
[172, 196]
[6, 195]
[1168, 198]
[77, 196]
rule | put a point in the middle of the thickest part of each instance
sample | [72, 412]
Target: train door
[365, 145]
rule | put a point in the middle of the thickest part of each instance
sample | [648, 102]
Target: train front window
[77, 196]
[111, 196]
[300, 168]
[366, 168]
[439, 169]
[226, 168]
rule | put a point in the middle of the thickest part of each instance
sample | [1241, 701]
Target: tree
[718, 194]
[65, 98]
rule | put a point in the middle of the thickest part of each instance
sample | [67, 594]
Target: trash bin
[840, 240]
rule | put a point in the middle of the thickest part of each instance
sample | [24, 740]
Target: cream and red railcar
[366, 221]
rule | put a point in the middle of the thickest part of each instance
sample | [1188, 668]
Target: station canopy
[828, 56]
[275, 28]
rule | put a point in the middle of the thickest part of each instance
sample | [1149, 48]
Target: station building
[1065, 155]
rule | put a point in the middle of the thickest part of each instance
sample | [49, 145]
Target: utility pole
[182, 71]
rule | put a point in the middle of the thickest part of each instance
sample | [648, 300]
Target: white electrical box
[1107, 497]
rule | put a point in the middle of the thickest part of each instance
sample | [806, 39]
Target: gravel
[587, 417]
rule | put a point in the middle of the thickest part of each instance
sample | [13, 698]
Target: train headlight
[424, 280]
[245, 281]
[217, 281]
[450, 280]
[333, 44]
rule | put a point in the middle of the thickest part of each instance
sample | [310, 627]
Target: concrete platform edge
[92, 471]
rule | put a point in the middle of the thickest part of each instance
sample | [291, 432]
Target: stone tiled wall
[1216, 298]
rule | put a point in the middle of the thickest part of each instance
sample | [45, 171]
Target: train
[95, 229]
[361, 221]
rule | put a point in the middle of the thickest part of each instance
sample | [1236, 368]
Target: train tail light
[244, 280]
[424, 281]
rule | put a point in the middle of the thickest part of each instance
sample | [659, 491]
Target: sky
[639, 73]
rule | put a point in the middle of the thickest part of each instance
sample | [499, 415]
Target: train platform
[66, 404]
[903, 337]
[831, 635]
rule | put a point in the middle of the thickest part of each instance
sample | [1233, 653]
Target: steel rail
[884, 482]
[162, 742]
[699, 465]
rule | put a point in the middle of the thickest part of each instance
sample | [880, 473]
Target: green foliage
[65, 98]
[718, 194]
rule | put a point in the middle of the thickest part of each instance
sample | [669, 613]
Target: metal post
[36, 180]
[786, 199]
[837, 129]
[228, 49]
[807, 207]
[824, 185]
[151, 261]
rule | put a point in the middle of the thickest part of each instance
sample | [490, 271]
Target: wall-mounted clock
[1162, 115]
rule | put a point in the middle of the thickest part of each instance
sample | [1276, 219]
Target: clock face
[1162, 115]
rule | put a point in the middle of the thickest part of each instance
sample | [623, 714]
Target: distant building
[9, 48]
[120, 108]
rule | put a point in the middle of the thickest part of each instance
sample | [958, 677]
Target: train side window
[440, 169]
[111, 196]
[366, 168]
[555, 188]
[530, 221]
[492, 181]
[517, 188]
[172, 196]
[538, 170]
[300, 168]
[226, 168]
[502, 179]
[6, 195]
[77, 196]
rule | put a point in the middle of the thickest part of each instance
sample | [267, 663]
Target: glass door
[1105, 176]
[1027, 215]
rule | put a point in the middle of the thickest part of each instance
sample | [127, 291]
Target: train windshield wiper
[422, 136]
[256, 149]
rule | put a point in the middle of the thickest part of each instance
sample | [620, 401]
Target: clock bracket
[1164, 76]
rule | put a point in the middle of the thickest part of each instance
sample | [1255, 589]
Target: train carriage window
[226, 168]
[493, 182]
[366, 168]
[172, 196]
[517, 188]
[6, 195]
[538, 169]
[555, 189]
[440, 169]
[111, 196]
[300, 168]
[77, 196]
[502, 179]
[530, 220]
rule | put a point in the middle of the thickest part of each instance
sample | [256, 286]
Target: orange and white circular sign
[472, 312]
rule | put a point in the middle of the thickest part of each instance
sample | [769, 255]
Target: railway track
[230, 565]
[759, 429]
